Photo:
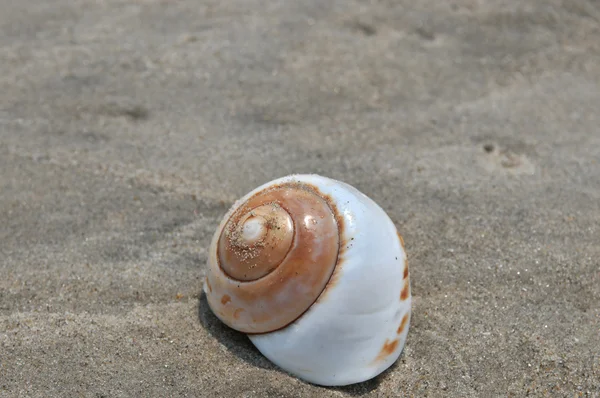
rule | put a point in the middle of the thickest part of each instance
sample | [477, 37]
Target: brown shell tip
[285, 238]
[255, 241]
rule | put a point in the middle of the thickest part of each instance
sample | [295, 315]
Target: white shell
[353, 332]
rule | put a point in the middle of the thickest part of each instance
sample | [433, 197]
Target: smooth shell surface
[272, 256]
[358, 325]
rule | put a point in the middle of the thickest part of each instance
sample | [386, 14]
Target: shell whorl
[254, 243]
[272, 257]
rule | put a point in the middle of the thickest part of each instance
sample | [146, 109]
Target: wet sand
[127, 129]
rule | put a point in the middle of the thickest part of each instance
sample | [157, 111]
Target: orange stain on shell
[402, 324]
[225, 299]
[333, 280]
[405, 260]
[405, 291]
[237, 313]
[388, 349]
[401, 240]
[342, 246]
[208, 285]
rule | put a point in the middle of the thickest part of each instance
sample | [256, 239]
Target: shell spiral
[315, 273]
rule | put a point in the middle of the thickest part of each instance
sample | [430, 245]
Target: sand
[127, 129]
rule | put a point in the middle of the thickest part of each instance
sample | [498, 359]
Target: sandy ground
[127, 128]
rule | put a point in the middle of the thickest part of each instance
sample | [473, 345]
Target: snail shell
[315, 273]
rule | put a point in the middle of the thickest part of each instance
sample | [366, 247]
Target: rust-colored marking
[208, 285]
[405, 291]
[179, 296]
[405, 260]
[342, 246]
[388, 349]
[402, 324]
[237, 313]
[225, 299]
[401, 240]
[335, 277]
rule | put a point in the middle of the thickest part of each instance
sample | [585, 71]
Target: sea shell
[315, 272]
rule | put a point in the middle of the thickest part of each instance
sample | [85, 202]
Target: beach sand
[128, 128]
